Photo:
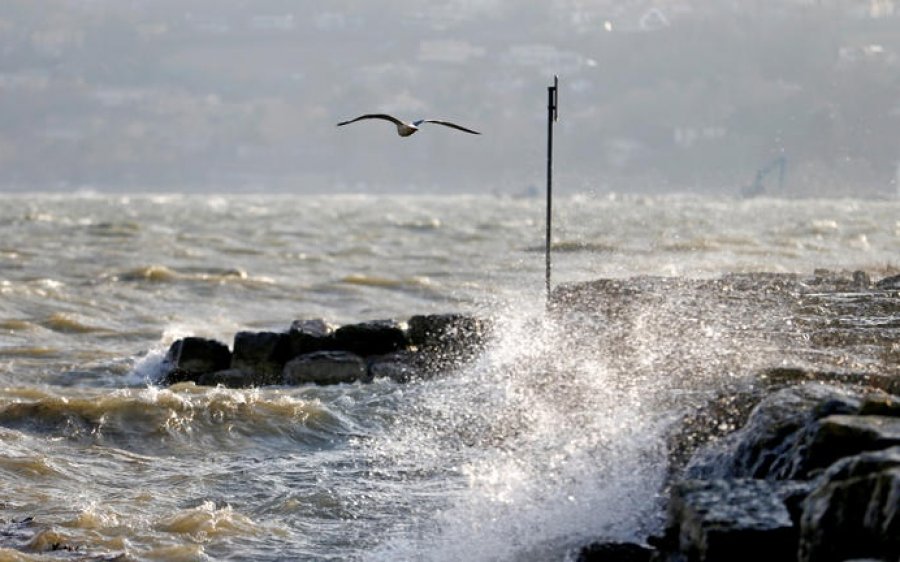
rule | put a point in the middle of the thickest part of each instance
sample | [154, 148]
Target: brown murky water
[557, 433]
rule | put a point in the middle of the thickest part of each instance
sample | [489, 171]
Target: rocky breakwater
[315, 352]
[808, 466]
[813, 476]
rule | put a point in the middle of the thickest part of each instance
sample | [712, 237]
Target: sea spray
[533, 449]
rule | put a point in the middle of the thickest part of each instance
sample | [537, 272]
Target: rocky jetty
[799, 461]
[813, 476]
[789, 446]
[315, 352]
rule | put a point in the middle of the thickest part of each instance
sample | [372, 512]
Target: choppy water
[538, 445]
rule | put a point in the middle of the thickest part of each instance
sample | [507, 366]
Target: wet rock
[891, 283]
[880, 405]
[307, 336]
[446, 340]
[615, 552]
[378, 337]
[191, 357]
[831, 459]
[829, 439]
[262, 353]
[325, 367]
[768, 440]
[793, 493]
[454, 331]
[730, 520]
[855, 512]
[229, 378]
[402, 366]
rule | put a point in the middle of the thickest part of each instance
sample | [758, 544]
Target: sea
[524, 453]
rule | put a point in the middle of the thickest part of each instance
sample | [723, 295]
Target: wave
[60, 322]
[207, 520]
[28, 466]
[127, 229]
[28, 351]
[163, 274]
[16, 325]
[363, 280]
[139, 419]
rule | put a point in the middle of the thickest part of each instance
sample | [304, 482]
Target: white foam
[550, 448]
[148, 369]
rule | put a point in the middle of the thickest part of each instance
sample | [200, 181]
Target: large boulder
[262, 353]
[831, 438]
[832, 459]
[891, 283]
[768, 440]
[452, 331]
[190, 357]
[855, 512]
[402, 366]
[446, 340]
[880, 405]
[325, 367]
[730, 520]
[307, 336]
[378, 337]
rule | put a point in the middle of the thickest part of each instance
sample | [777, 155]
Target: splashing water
[560, 433]
[535, 448]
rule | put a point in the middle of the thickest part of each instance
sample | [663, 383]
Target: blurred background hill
[656, 95]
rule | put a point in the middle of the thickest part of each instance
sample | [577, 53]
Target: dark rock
[880, 405]
[615, 552]
[191, 357]
[453, 331]
[402, 366]
[731, 520]
[891, 283]
[307, 336]
[262, 353]
[793, 493]
[855, 512]
[325, 367]
[829, 439]
[446, 340]
[229, 378]
[378, 337]
[767, 440]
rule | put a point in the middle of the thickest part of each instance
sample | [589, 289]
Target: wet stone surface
[315, 352]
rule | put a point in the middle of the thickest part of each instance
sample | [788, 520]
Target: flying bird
[404, 128]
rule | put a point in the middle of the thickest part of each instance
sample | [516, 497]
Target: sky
[786, 97]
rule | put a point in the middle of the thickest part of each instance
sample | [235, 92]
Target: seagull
[405, 129]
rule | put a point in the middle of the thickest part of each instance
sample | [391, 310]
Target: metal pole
[552, 117]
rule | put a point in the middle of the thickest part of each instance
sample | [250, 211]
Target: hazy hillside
[231, 94]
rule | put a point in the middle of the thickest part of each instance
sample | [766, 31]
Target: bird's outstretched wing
[446, 124]
[384, 116]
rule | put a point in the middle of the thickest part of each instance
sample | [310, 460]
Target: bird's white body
[405, 128]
